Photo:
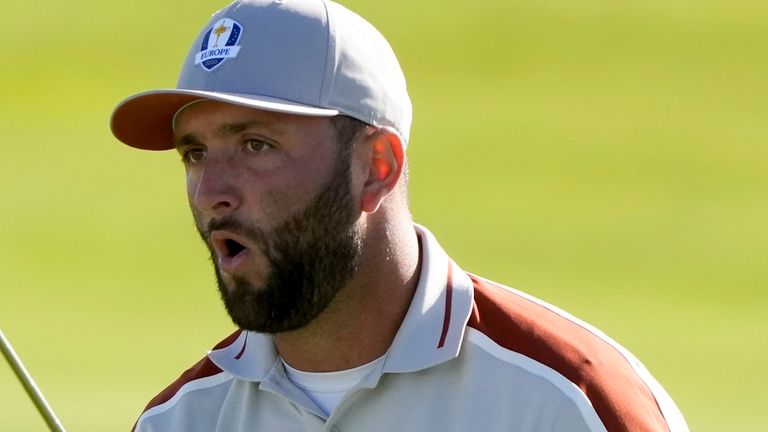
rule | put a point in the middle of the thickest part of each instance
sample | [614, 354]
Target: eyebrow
[187, 140]
[225, 130]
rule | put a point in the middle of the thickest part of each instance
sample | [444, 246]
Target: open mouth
[233, 252]
[228, 245]
[232, 248]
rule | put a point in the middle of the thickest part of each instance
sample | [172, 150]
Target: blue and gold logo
[219, 44]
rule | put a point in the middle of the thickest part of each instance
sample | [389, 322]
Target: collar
[431, 332]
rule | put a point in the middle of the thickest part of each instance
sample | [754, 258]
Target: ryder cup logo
[219, 44]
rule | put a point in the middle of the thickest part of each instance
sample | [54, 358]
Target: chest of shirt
[455, 396]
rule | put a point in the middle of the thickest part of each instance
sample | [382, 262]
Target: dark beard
[311, 256]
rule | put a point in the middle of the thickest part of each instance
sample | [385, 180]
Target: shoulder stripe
[568, 388]
[202, 369]
[198, 384]
[619, 388]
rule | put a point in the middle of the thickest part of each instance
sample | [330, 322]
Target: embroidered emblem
[219, 44]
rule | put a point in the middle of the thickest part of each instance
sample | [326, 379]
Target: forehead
[220, 119]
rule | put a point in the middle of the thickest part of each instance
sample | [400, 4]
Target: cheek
[191, 181]
[279, 198]
[268, 207]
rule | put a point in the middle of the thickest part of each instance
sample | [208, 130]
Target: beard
[311, 255]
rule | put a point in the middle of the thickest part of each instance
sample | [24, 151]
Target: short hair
[347, 130]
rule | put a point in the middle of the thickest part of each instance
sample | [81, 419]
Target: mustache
[232, 224]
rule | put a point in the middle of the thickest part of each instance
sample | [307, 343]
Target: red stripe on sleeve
[202, 369]
[621, 399]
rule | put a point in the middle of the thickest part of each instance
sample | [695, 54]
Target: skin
[270, 166]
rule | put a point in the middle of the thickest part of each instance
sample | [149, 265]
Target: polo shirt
[470, 355]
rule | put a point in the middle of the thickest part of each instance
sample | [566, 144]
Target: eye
[256, 145]
[192, 155]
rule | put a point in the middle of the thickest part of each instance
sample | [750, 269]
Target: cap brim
[144, 120]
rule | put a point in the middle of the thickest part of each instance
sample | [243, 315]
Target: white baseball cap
[307, 57]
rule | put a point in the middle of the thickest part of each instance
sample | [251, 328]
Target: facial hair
[311, 255]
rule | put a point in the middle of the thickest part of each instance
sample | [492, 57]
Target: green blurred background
[608, 157]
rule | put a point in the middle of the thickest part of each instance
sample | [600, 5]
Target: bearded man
[292, 120]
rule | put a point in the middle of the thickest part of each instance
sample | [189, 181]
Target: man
[292, 119]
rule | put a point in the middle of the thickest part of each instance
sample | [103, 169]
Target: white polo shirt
[470, 355]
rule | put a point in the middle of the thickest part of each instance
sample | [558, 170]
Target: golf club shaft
[29, 385]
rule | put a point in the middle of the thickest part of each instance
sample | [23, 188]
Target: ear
[385, 166]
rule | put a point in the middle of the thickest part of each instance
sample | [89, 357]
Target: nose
[213, 191]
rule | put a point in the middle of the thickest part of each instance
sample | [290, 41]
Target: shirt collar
[431, 332]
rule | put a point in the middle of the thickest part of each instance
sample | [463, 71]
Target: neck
[361, 322]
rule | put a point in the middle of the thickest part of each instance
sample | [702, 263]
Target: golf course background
[608, 157]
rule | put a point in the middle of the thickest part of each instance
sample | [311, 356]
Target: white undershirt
[327, 389]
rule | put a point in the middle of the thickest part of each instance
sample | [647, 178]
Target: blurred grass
[607, 157]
